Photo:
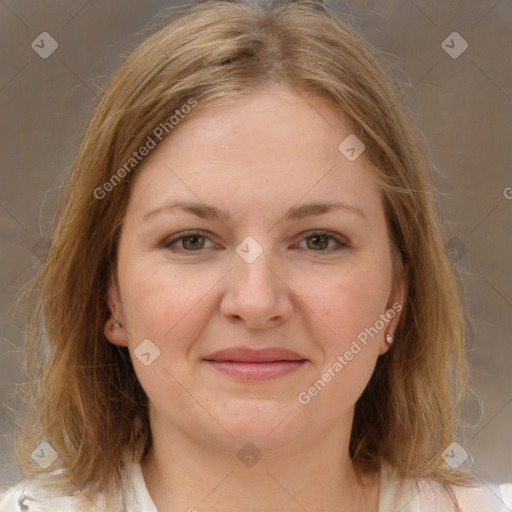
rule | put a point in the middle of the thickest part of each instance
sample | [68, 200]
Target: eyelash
[168, 243]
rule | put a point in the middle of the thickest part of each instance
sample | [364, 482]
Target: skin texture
[268, 151]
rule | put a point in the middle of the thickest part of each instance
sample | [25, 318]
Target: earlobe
[394, 311]
[114, 334]
[114, 330]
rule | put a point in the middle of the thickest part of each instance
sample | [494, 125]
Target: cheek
[163, 303]
[349, 306]
[168, 307]
[349, 301]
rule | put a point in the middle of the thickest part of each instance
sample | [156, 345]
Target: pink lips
[249, 364]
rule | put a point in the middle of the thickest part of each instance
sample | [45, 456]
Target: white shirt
[30, 496]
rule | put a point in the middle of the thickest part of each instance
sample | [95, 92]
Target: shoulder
[33, 495]
[422, 495]
[483, 497]
[44, 493]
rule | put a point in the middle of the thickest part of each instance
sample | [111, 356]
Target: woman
[246, 302]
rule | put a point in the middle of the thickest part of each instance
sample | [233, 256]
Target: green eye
[195, 242]
[191, 242]
[323, 237]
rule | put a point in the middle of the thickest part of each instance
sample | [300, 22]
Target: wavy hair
[85, 399]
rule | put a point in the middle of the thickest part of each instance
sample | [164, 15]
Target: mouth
[246, 364]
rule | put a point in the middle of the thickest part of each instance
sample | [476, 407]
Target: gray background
[463, 107]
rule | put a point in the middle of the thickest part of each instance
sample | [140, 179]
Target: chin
[269, 424]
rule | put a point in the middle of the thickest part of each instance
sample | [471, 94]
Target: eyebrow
[205, 211]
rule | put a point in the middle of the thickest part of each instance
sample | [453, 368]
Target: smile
[245, 363]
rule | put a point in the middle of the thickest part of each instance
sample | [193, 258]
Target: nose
[255, 292]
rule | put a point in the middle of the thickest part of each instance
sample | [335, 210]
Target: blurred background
[454, 63]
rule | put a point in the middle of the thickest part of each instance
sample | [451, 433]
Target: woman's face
[247, 278]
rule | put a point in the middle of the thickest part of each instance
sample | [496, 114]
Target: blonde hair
[87, 401]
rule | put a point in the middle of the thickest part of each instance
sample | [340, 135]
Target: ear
[394, 307]
[115, 334]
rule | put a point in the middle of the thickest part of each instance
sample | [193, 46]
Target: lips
[246, 364]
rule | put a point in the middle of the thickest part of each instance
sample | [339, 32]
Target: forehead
[268, 147]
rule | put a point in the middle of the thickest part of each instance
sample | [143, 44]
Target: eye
[320, 241]
[194, 241]
[191, 242]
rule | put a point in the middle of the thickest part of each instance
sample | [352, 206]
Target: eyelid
[341, 241]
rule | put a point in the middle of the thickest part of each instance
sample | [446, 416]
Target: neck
[184, 474]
